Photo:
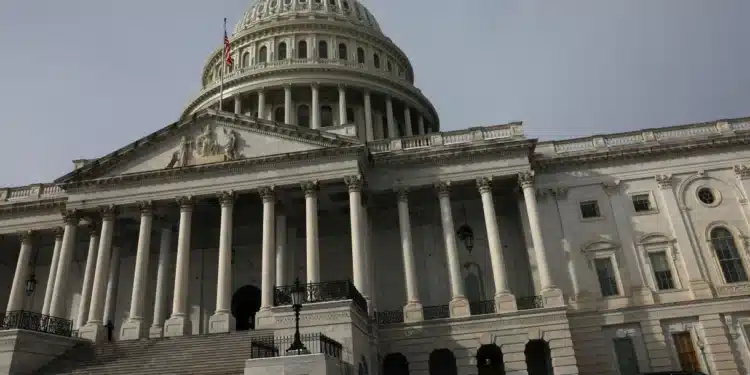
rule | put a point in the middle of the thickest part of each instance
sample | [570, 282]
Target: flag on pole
[227, 47]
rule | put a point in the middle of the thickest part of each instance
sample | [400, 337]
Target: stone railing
[30, 192]
[644, 137]
[471, 135]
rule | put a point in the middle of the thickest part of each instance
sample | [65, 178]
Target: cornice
[448, 154]
[33, 206]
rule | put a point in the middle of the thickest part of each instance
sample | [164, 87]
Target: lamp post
[298, 296]
[466, 235]
[31, 284]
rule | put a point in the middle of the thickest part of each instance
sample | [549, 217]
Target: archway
[442, 362]
[490, 360]
[538, 358]
[395, 364]
[245, 303]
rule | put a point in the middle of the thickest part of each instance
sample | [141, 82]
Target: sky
[82, 78]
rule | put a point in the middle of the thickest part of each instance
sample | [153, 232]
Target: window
[360, 55]
[662, 271]
[323, 49]
[390, 66]
[728, 255]
[342, 51]
[278, 115]
[606, 274]
[303, 116]
[350, 115]
[282, 51]
[686, 354]
[263, 54]
[706, 196]
[376, 61]
[245, 59]
[590, 210]
[326, 116]
[642, 202]
[627, 361]
[302, 49]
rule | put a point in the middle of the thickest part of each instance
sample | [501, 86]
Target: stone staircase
[218, 354]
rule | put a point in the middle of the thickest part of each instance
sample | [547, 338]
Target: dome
[344, 10]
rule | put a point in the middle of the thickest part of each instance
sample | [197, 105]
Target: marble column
[311, 231]
[222, 320]
[369, 292]
[369, 130]
[459, 304]
[179, 323]
[88, 276]
[420, 124]
[288, 105]
[18, 288]
[136, 328]
[261, 105]
[162, 274]
[505, 301]
[264, 317]
[413, 311]
[281, 251]
[113, 285]
[392, 128]
[550, 294]
[342, 105]
[59, 294]
[52, 270]
[407, 121]
[354, 183]
[94, 328]
[315, 110]
[237, 104]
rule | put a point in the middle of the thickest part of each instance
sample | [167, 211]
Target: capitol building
[306, 214]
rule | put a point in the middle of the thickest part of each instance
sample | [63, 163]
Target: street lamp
[298, 296]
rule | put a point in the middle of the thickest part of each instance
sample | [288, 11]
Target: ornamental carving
[267, 193]
[484, 184]
[443, 188]
[354, 183]
[526, 179]
[611, 188]
[185, 202]
[206, 148]
[559, 193]
[665, 181]
[146, 207]
[226, 198]
[108, 212]
[402, 194]
[25, 237]
[58, 231]
[70, 216]
[310, 188]
[742, 171]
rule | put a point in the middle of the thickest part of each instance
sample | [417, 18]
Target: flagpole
[223, 67]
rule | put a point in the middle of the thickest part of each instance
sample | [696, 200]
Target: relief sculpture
[205, 148]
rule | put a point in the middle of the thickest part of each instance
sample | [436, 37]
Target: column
[550, 294]
[369, 130]
[237, 104]
[281, 251]
[311, 231]
[261, 105]
[18, 289]
[407, 121]
[135, 327]
[354, 183]
[52, 271]
[413, 310]
[505, 301]
[67, 249]
[315, 120]
[342, 105]
[179, 323]
[160, 295]
[459, 305]
[420, 124]
[392, 128]
[222, 320]
[264, 317]
[288, 105]
[94, 328]
[113, 281]
[369, 292]
[88, 276]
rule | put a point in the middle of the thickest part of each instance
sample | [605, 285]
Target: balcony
[32, 321]
[322, 292]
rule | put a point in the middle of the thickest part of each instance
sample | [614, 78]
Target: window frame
[653, 207]
[740, 244]
[600, 216]
[670, 266]
[605, 250]
[657, 243]
[716, 193]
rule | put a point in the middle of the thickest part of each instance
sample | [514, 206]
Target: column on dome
[551, 295]
[135, 328]
[237, 104]
[222, 320]
[52, 270]
[420, 124]
[261, 104]
[88, 276]
[459, 304]
[407, 120]
[18, 288]
[354, 184]
[392, 128]
[315, 123]
[63, 268]
[369, 130]
[179, 323]
[342, 105]
[288, 105]
[94, 328]
[311, 231]
[162, 274]
[264, 317]
[413, 311]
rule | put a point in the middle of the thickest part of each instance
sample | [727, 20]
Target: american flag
[227, 47]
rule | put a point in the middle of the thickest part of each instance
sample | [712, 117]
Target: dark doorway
[538, 358]
[490, 360]
[395, 364]
[245, 303]
[443, 362]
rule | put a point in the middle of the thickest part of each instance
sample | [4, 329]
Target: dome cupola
[351, 11]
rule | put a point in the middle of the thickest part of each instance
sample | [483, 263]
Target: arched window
[263, 54]
[282, 51]
[490, 360]
[442, 362]
[323, 49]
[538, 358]
[728, 255]
[376, 61]
[245, 59]
[326, 115]
[342, 51]
[395, 364]
[360, 55]
[302, 49]
[303, 116]
[278, 115]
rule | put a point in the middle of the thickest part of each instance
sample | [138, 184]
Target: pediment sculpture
[206, 148]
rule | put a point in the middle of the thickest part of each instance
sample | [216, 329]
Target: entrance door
[245, 303]
[683, 343]
[627, 361]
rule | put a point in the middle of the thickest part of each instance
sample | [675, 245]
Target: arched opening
[376, 61]
[360, 55]
[342, 51]
[323, 49]
[442, 362]
[245, 303]
[728, 255]
[278, 115]
[302, 49]
[395, 364]
[490, 360]
[303, 116]
[245, 59]
[263, 54]
[363, 369]
[538, 358]
[326, 116]
[281, 54]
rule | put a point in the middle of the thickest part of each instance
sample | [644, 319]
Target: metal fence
[322, 292]
[33, 321]
[314, 343]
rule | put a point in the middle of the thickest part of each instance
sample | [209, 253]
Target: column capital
[267, 193]
[526, 179]
[185, 202]
[25, 236]
[70, 216]
[354, 183]
[665, 181]
[146, 208]
[484, 184]
[443, 188]
[226, 198]
[315, 85]
[108, 212]
[742, 171]
[402, 194]
[58, 231]
[310, 188]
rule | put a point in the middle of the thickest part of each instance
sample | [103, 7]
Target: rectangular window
[590, 209]
[662, 272]
[642, 202]
[686, 354]
[606, 274]
[627, 361]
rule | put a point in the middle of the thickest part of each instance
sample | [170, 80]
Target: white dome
[343, 10]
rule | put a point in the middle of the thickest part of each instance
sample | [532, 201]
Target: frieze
[205, 148]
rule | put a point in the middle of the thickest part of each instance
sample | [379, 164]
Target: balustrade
[33, 321]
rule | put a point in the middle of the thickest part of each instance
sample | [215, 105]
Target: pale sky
[81, 78]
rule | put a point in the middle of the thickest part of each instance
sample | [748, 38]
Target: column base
[134, 329]
[642, 296]
[505, 302]
[94, 331]
[178, 325]
[156, 332]
[221, 322]
[413, 312]
[459, 307]
[265, 319]
[553, 297]
[701, 289]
